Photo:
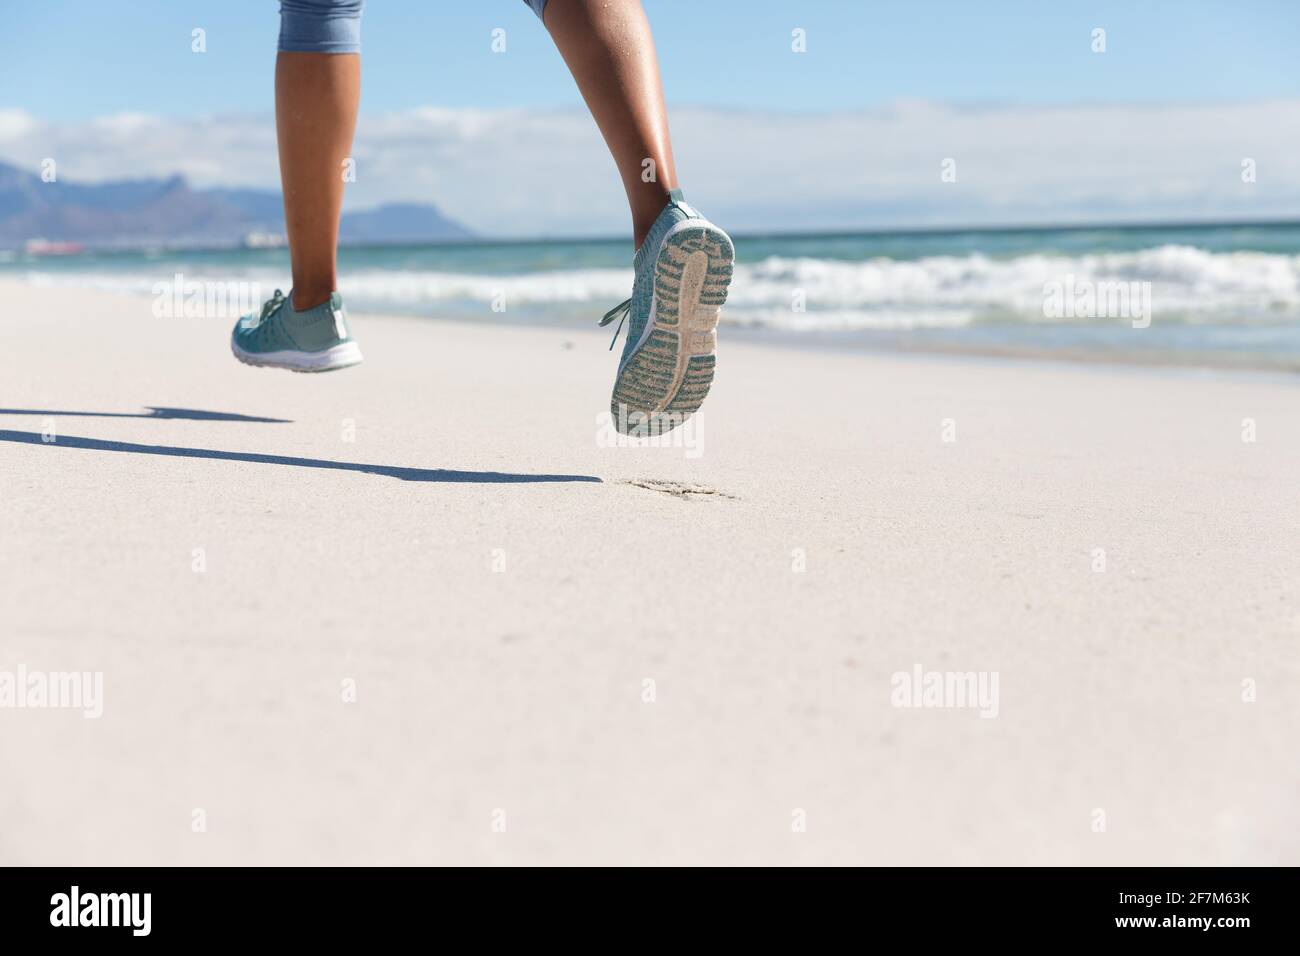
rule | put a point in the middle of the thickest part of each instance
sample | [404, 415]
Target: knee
[320, 26]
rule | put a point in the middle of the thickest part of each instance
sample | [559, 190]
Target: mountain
[168, 211]
[265, 206]
[399, 222]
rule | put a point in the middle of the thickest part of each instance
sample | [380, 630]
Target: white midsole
[337, 356]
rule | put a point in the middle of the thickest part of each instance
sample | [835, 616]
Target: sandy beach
[420, 611]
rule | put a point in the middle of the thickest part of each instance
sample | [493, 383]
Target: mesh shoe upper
[279, 327]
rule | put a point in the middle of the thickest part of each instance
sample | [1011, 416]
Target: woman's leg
[610, 52]
[683, 263]
[317, 85]
[317, 89]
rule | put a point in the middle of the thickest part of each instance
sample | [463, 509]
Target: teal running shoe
[683, 271]
[315, 340]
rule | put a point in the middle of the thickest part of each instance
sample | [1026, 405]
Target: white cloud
[15, 124]
[514, 172]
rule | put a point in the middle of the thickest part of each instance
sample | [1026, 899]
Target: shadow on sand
[389, 471]
[185, 414]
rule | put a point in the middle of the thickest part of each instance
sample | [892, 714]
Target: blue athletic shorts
[331, 26]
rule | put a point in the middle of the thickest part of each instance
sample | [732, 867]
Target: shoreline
[864, 341]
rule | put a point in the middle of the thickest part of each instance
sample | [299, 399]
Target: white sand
[522, 689]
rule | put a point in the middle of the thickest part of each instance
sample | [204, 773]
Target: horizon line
[950, 230]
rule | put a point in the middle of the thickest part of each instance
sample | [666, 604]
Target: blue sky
[75, 59]
[850, 134]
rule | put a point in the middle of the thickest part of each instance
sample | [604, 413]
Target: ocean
[1220, 295]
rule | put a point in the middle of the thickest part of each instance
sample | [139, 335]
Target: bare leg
[610, 52]
[316, 97]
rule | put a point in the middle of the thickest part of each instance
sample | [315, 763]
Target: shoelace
[619, 312]
[271, 306]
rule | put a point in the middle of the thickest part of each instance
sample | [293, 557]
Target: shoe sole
[669, 373]
[327, 360]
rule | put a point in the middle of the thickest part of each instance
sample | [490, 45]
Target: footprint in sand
[678, 489]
